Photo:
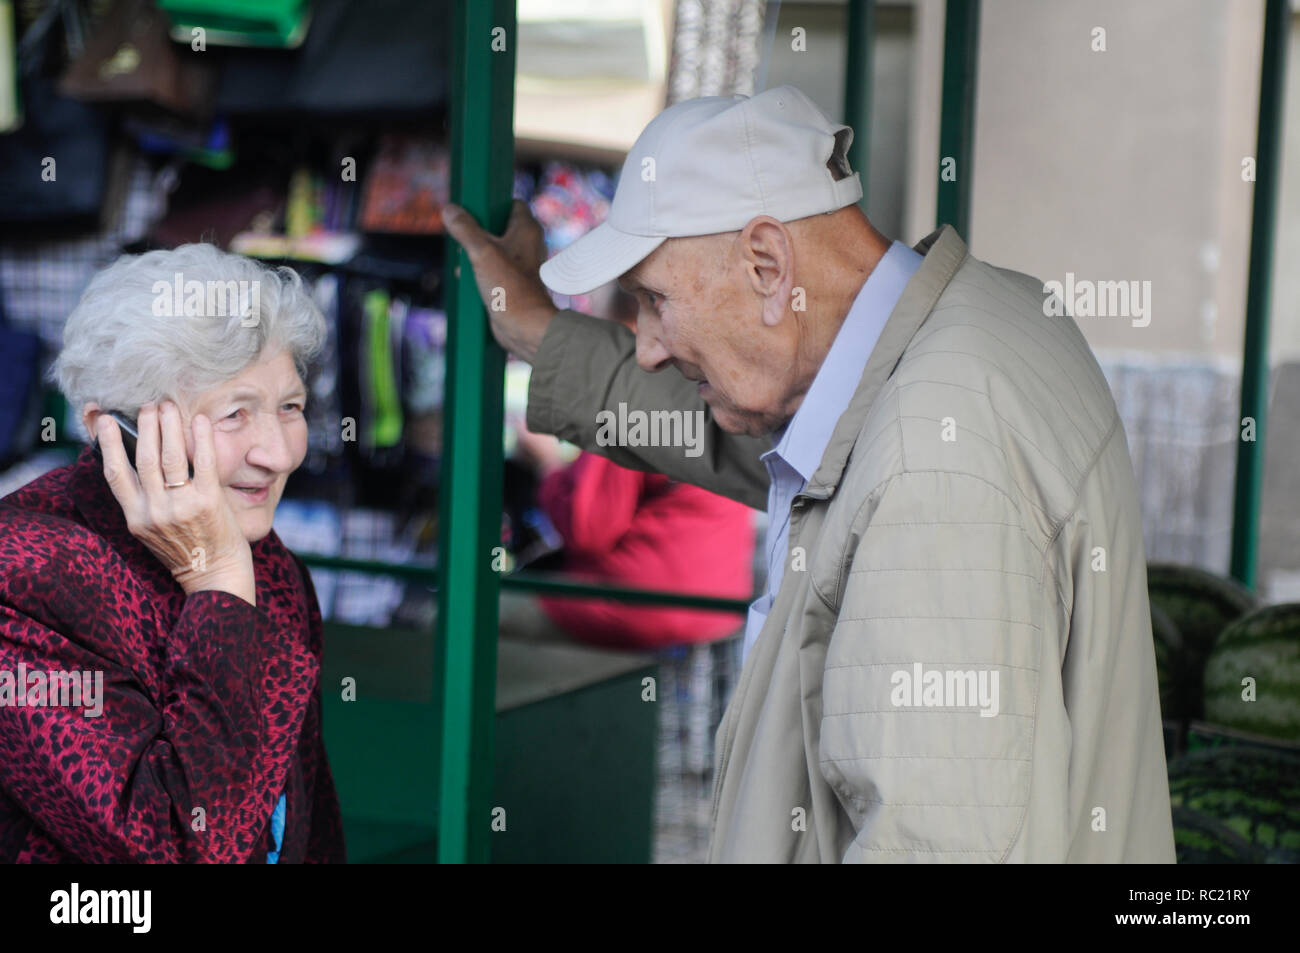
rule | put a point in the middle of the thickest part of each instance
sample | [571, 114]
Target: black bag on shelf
[72, 134]
[20, 391]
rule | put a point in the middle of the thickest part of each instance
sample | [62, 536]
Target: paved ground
[694, 685]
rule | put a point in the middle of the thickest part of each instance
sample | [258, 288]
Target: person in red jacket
[642, 530]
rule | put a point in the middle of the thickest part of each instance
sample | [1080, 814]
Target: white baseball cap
[710, 165]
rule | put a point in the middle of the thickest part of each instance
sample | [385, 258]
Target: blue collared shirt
[799, 446]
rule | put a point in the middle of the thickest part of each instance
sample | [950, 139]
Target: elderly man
[953, 660]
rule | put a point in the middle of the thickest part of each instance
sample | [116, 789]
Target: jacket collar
[944, 253]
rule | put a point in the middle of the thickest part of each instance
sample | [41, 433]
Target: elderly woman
[161, 645]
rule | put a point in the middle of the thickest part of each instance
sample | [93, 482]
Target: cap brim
[596, 258]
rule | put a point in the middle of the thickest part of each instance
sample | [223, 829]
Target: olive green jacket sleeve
[586, 365]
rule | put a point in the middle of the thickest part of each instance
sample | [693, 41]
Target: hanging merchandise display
[383, 423]
[407, 187]
[131, 59]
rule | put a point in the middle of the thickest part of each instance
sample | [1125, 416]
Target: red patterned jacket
[208, 702]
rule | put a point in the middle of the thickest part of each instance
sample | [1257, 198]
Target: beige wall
[1123, 164]
[591, 72]
[1117, 165]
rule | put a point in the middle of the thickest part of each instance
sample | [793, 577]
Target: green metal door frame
[482, 182]
[957, 118]
[1249, 483]
[860, 43]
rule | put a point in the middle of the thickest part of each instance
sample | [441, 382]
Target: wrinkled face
[696, 312]
[259, 433]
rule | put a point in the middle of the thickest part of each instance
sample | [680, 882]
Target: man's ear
[768, 253]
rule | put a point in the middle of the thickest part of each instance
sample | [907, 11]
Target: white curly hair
[170, 324]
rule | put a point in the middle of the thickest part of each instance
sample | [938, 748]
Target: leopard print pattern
[211, 707]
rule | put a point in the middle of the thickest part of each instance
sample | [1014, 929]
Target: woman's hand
[190, 528]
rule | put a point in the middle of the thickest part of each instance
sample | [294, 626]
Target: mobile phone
[130, 435]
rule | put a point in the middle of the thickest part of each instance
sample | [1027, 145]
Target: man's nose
[651, 355]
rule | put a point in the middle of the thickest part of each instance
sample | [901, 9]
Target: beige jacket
[974, 521]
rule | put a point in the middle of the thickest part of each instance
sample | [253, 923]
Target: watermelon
[1200, 604]
[1253, 792]
[1264, 645]
[1169, 662]
[1202, 839]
